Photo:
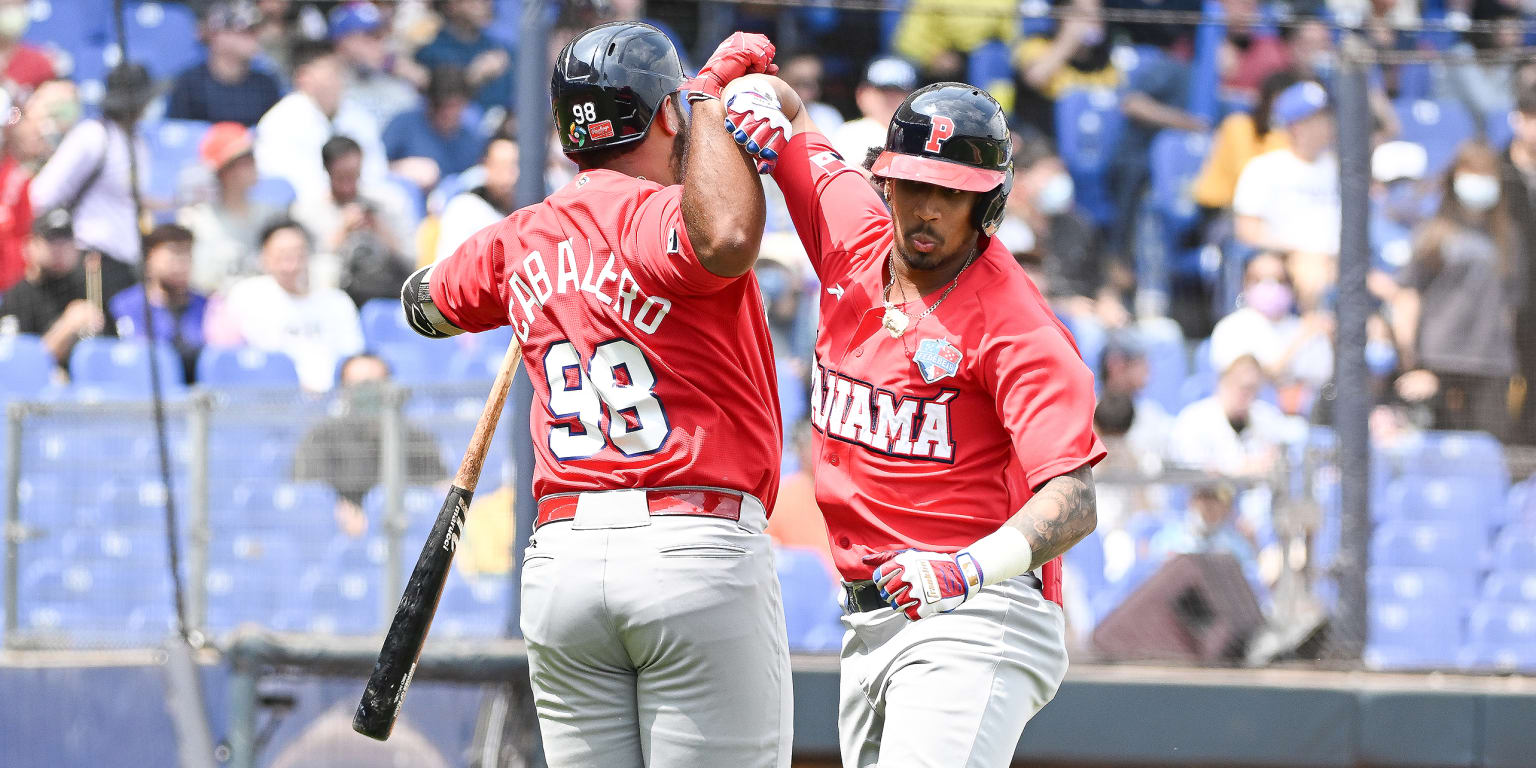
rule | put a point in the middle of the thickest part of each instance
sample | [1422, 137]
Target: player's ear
[671, 119]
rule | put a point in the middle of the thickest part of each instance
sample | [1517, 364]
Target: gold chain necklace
[895, 320]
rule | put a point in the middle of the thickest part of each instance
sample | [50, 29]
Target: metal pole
[392, 471]
[242, 717]
[1352, 407]
[13, 530]
[198, 419]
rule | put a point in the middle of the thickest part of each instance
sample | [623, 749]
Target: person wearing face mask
[1397, 207]
[23, 65]
[1296, 352]
[1454, 313]
[1046, 68]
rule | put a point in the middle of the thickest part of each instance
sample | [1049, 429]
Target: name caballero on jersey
[534, 286]
[844, 408]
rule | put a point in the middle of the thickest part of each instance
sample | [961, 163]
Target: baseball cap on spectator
[56, 224]
[1298, 103]
[891, 72]
[354, 18]
[223, 144]
[235, 15]
[1398, 160]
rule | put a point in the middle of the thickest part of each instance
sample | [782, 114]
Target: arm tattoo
[1060, 514]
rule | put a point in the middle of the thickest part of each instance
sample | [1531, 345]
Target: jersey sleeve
[658, 238]
[834, 208]
[470, 287]
[1044, 393]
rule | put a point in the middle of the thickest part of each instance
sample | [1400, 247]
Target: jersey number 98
[616, 382]
[585, 112]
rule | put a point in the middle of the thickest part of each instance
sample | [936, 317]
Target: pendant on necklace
[894, 320]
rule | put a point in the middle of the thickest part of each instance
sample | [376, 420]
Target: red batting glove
[740, 54]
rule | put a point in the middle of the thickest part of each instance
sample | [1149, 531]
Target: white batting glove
[921, 584]
[756, 120]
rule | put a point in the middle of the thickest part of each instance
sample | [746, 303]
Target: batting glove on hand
[921, 584]
[740, 54]
[756, 120]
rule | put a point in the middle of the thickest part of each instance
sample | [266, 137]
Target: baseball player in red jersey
[953, 421]
[650, 604]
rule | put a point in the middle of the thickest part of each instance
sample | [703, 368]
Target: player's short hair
[337, 147]
[167, 234]
[305, 52]
[871, 155]
[279, 224]
[447, 83]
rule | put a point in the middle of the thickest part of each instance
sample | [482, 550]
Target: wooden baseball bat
[391, 676]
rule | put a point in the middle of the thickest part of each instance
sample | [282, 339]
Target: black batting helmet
[609, 82]
[953, 135]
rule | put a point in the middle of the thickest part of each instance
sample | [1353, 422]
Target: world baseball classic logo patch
[936, 359]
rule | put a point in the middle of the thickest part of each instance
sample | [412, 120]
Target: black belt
[863, 596]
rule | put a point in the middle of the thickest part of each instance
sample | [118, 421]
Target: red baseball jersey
[933, 439]
[648, 369]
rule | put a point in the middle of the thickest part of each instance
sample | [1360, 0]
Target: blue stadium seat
[474, 606]
[423, 360]
[273, 191]
[75, 32]
[1420, 497]
[1411, 635]
[1499, 129]
[1167, 369]
[990, 64]
[1088, 127]
[172, 146]
[1440, 586]
[115, 368]
[236, 367]
[1176, 159]
[811, 612]
[1451, 454]
[27, 364]
[1515, 548]
[384, 323]
[349, 599]
[1503, 623]
[163, 36]
[1440, 126]
[1411, 544]
[1510, 586]
[1498, 656]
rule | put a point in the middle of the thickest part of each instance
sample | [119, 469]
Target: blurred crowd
[1176, 196]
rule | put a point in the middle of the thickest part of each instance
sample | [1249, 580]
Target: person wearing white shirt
[1294, 350]
[1233, 432]
[291, 133]
[485, 204]
[278, 311]
[887, 81]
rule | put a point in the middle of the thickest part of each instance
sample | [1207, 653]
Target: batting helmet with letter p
[953, 135]
[609, 82]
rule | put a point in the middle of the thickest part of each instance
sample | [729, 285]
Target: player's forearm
[1059, 515]
[723, 206]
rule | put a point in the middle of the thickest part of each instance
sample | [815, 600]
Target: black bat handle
[392, 673]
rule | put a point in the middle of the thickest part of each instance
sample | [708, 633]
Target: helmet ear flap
[988, 213]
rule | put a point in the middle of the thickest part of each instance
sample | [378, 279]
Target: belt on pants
[863, 596]
[691, 502]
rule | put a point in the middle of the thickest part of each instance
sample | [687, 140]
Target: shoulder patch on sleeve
[829, 160]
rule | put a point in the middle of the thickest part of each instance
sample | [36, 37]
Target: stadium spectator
[88, 174]
[1232, 432]
[804, 73]
[1075, 58]
[279, 311]
[887, 81]
[1209, 527]
[463, 42]
[23, 65]
[330, 742]
[15, 205]
[46, 118]
[939, 34]
[177, 309]
[1240, 137]
[356, 227]
[1124, 372]
[1250, 53]
[283, 23]
[492, 200]
[361, 38]
[1296, 351]
[344, 450]
[1478, 71]
[1397, 207]
[438, 139]
[225, 87]
[1519, 191]
[1287, 201]
[226, 227]
[1454, 316]
[1155, 95]
[796, 520]
[54, 300]
[289, 136]
[1086, 281]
